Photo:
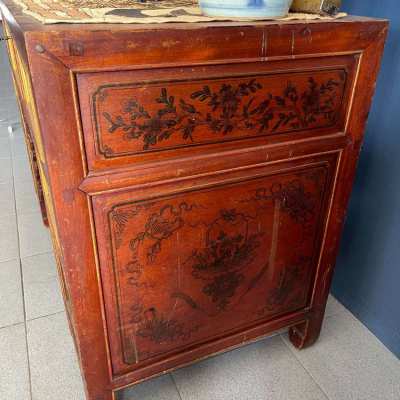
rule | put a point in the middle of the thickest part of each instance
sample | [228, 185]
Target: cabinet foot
[306, 333]
[105, 395]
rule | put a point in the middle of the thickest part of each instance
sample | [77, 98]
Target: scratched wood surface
[189, 267]
[195, 176]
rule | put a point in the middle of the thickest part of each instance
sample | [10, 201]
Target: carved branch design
[288, 280]
[120, 218]
[232, 107]
[294, 199]
[160, 226]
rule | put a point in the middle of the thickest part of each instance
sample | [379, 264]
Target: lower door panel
[181, 269]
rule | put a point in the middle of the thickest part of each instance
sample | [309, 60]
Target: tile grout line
[45, 316]
[26, 333]
[32, 319]
[12, 258]
[21, 274]
[11, 325]
[176, 386]
[289, 347]
[38, 254]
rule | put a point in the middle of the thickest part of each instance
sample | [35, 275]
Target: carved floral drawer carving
[133, 118]
[192, 266]
[143, 113]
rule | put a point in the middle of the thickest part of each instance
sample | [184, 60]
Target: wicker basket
[316, 6]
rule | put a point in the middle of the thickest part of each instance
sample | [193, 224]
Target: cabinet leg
[104, 395]
[306, 333]
[42, 205]
[37, 181]
[34, 168]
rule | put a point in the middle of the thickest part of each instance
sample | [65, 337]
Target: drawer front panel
[141, 114]
[132, 118]
[179, 270]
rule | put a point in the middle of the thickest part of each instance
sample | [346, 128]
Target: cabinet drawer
[183, 268]
[137, 115]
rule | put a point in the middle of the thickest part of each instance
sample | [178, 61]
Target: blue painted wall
[367, 278]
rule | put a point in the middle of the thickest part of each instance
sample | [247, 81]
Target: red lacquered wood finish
[196, 178]
[194, 265]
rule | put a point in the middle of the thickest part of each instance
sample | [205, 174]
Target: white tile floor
[38, 362]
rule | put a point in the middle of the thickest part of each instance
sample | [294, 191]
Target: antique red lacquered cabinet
[195, 178]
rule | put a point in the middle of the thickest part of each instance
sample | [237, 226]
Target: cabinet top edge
[14, 16]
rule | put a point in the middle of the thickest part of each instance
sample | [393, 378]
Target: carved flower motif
[158, 329]
[297, 202]
[162, 226]
[225, 250]
[225, 109]
[228, 246]
[228, 249]
[159, 227]
[155, 327]
[221, 262]
[223, 287]
[293, 197]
